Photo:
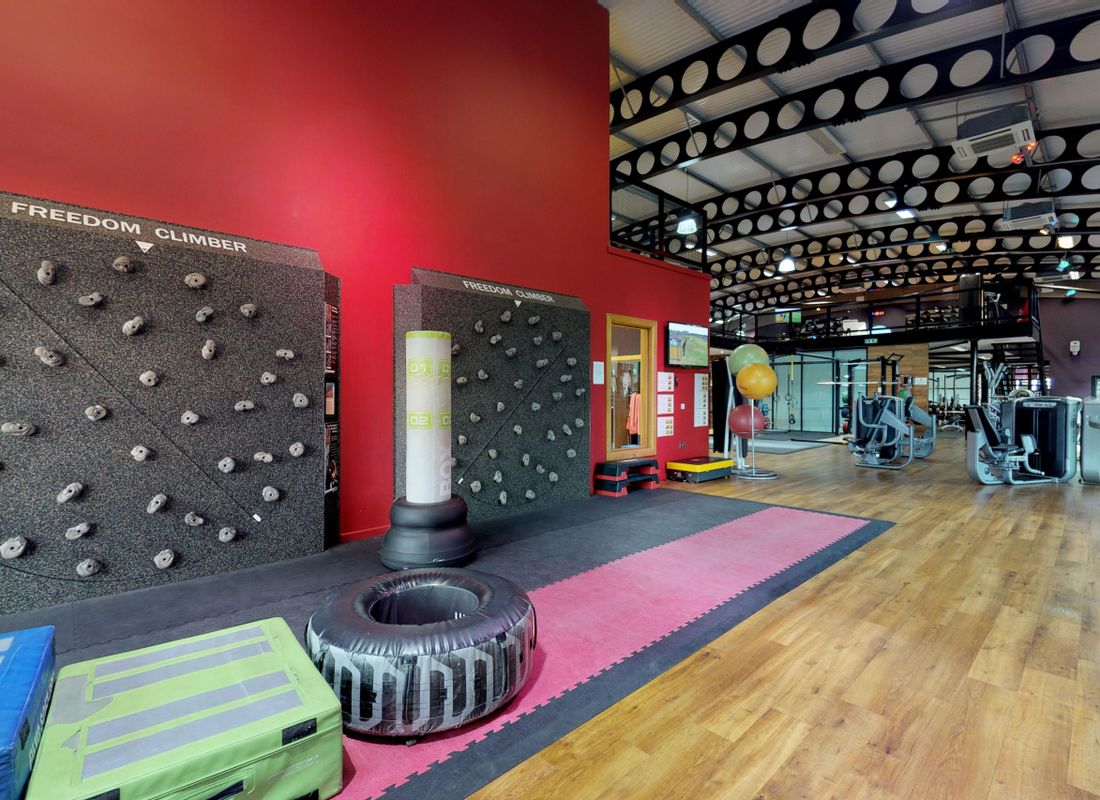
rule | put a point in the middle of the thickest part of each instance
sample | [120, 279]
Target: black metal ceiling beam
[737, 60]
[797, 288]
[925, 79]
[913, 239]
[898, 272]
[852, 190]
[1047, 258]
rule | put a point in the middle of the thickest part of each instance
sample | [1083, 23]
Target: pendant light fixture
[687, 225]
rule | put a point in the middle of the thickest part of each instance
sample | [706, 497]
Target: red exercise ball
[756, 381]
[744, 418]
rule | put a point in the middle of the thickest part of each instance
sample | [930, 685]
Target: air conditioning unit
[1004, 129]
[1029, 216]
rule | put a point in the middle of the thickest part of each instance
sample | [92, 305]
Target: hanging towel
[632, 414]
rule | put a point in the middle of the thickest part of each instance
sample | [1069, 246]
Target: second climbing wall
[519, 396]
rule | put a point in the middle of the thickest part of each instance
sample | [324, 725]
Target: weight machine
[884, 433]
[1023, 440]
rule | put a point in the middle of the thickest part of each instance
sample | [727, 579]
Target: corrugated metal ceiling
[646, 34]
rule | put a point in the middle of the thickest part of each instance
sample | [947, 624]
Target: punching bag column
[428, 525]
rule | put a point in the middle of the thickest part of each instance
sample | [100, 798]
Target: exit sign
[872, 340]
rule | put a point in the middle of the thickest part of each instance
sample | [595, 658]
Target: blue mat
[26, 682]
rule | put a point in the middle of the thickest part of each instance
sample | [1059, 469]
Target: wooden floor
[955, 656]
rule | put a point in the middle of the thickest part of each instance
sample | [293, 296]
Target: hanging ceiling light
[786, 264]
[687, 225]
[1065, 241]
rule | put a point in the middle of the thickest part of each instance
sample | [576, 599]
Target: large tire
[423, 650]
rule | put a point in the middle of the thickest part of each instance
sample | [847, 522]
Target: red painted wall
[467, 137]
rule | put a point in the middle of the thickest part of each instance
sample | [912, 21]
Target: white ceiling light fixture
[687, 225]
[1066, 241]
[786, 264]
[906, 213]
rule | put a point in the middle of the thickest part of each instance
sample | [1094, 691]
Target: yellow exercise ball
[747, 354]
[756, 381]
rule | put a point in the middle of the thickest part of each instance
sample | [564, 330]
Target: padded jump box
[26, 681]
[697, 470]
[237, 713]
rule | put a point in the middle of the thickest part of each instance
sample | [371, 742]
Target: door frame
[647, 430]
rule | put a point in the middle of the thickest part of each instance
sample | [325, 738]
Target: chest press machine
[1023, 441]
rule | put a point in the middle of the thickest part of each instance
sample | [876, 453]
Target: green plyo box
[237, 713]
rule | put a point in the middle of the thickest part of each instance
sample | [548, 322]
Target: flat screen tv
[687, 345]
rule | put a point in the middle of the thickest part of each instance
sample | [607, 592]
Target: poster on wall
[665, 404]
[702, 400]
[665, 426]
[666, 382]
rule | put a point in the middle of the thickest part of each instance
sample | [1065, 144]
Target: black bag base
[428, 535]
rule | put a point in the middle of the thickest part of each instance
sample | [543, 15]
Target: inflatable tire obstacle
[424, 650]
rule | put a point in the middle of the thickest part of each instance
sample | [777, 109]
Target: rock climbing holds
[13, 547]
[95, 413]
[47, 272]
[74, 489]
[77, 531]
[18, 429]
[51, 358]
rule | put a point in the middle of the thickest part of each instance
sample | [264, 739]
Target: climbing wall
[519, 398]
[162, 398]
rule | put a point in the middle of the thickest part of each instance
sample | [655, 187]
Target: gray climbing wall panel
[519, 398]
[142, 414]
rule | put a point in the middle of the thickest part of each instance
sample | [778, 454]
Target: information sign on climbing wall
[162, 399]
